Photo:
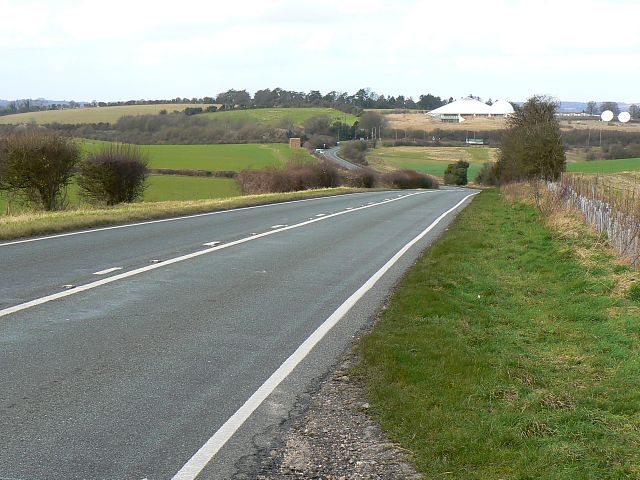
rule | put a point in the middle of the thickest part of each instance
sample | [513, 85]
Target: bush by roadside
[37, 167]
[115, 174]
[408, 179]
[294, 177]
[303, 176]
[355, 152]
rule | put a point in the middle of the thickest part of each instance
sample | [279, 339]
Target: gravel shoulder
[334, 437]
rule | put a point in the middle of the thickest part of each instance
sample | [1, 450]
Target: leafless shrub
[408, 179]
[295, 176]
[361, 178]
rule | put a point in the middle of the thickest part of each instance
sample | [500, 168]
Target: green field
[511, 351]
[92, 114]
[163, 188]
[279, 116]
[195, 157]
[216, 158]
[431, 160]
[605, 166]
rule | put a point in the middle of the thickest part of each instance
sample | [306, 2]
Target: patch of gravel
[336, 439]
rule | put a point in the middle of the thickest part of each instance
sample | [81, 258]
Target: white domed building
[458, 111]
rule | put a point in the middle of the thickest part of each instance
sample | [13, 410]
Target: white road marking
[159, 264]
[204, 455]
[278, 226]
[211, 244]
[69, 286]
[108, 270]
[320, 214]
[349, 208]
[150, 222]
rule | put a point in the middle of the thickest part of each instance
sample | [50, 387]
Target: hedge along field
[161, 188]
[222, 157]
[430, 160]
[605, 166]
[274, 116]
[92, 114]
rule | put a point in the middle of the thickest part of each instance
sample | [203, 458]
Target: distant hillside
[572, 107]
[92, 114]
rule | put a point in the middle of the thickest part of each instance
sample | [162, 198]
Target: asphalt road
[126, 374]
[332, 155]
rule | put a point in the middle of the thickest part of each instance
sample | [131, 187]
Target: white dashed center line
[108, 270]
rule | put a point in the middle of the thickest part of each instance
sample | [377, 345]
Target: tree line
[594, 108]
[265, 98]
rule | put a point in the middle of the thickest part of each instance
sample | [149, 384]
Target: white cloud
[407, 46]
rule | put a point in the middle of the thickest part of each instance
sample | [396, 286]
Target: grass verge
[41, 223]
[504, 354]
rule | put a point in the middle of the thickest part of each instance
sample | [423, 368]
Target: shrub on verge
[38, 166]
[295, 176]
[408, 179]
[115, 174]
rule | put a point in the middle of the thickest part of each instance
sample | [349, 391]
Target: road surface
[332, 155]
[153, 351]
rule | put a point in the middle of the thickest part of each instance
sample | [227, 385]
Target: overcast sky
[574, 50]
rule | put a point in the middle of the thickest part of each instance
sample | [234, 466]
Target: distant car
[319, 150]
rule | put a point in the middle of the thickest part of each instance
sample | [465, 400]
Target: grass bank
[509, 351]
[41, 223]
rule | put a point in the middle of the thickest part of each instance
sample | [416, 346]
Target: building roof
[502, 107]
[471, 106]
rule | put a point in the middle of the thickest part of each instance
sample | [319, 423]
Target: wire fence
[609, 203]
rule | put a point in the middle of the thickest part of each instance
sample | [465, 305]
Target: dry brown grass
[417, 121]
[421, 121]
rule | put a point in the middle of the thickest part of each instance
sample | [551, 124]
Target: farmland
[431, 160]
[92, 114]
[605, 166]
[219, 157]
[195, 157]
[161, 188]
[283, 116]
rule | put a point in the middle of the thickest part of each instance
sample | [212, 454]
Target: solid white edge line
[185, 217]
[203, 456]
[81, 288]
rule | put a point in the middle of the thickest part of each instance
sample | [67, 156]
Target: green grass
[502, 356]
[216, 157]
[430, 160]
[275, 116]
[162, 188]
[605, 166]
[92, 114]
[41, 223]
